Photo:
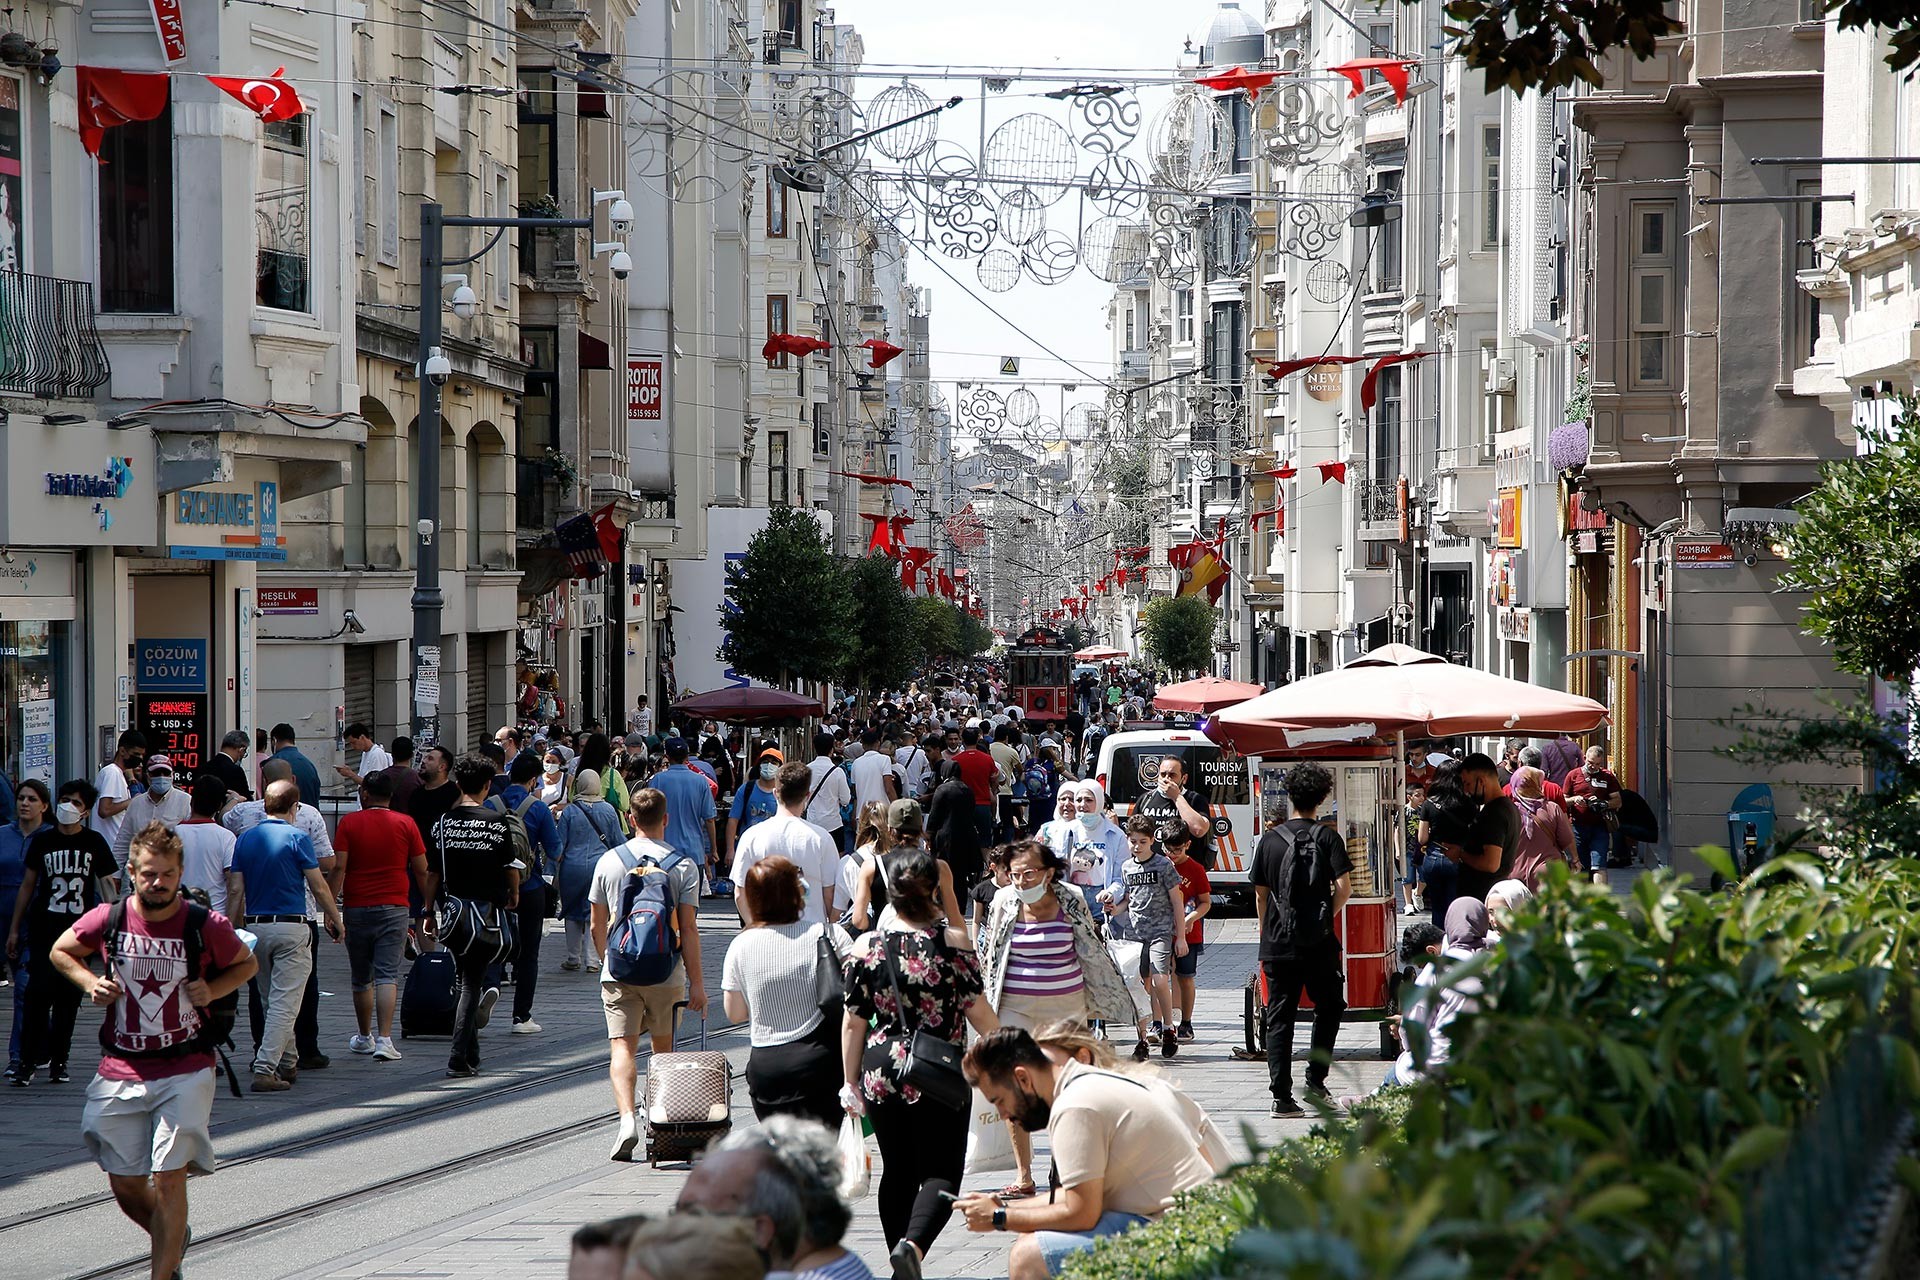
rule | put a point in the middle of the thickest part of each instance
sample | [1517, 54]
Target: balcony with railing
[1378, 499]
[49, 347]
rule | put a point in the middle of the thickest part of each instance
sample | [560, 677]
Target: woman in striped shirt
[1044, 962]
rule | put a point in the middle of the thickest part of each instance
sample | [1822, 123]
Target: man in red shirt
[1177, 842]
[980, 772]
[375, 850]
[1593, 802]
[1530, 758]
[147, 1109]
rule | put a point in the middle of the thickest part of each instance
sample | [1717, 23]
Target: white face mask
[769, 771]
[1031, 894]
[160, 786]
[69, 813]
[551, 768]
[1090, 820]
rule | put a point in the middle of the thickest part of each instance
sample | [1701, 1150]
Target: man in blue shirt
[303, 771]
[690, 807]
[273, 865]
[544, 835]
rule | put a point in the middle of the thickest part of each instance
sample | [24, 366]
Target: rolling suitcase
[688, 1101]
[431, 992]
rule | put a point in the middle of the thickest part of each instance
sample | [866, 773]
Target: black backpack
[1306, 915]
[216, 1020]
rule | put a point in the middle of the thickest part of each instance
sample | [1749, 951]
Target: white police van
[1129, 767]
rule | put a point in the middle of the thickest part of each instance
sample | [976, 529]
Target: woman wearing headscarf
[1505, 898]
[1435, 1006]
[596, 754]
[551, 787]
[953, 833]
[1099, 853]
[1546, 834]
[1057, 833]
[588, 828]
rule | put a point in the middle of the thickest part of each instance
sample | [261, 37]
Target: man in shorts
[633, 1009]
[149, 1105]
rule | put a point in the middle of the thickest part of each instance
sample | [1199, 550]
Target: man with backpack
[173, 968]
[535, 840]
[645, 902]
[471, 866]
[1300, 884]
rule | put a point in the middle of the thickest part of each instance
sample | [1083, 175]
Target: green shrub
[1633, 1064]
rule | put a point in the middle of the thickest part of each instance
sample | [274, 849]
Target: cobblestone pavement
[384, 1170]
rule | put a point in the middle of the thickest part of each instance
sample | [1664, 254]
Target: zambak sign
[1702, 554]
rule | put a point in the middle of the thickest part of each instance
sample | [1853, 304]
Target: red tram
[1040, 675]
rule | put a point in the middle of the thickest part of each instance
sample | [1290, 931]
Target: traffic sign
[1009, 366]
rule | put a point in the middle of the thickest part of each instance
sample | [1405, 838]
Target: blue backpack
[644, 944]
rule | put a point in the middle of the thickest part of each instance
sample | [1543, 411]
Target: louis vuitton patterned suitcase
[688, 1101]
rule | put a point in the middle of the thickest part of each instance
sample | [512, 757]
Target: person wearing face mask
[1043, 961]
[753, 803]
[1098, 857]
[552, 785]
[68, 871]
[1493, 842]
[160, 802]
[788, 834]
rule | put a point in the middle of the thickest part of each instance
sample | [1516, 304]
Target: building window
[503, 263]
[1387, 246]
[389, 144]
[539, 426]
[1490, 187]
[136, 216]
[1801, 305]
[1226, 345]
[779, 491]
[280, 216]
[1240, 122]
[777, 323]
[1130, 344]
[361, 172]
[1650, 301]
[1380, 38]
[792, 15]
[539, 172]
[1386, 428]
[822, 436]
[777, 209]
[1183, 315]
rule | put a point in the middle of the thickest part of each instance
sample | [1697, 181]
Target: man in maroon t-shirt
[1593, 800]
[377, 856]
[148, 1107]
[980, 772]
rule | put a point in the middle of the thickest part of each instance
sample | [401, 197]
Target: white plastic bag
[989, 1141]
[856, 1163]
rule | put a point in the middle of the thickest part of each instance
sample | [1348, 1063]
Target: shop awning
[594, 353]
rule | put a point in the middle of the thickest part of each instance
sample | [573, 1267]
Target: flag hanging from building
[1199, 566]
[882, 350]
[585, 541]
[108, 98]
[271, 97]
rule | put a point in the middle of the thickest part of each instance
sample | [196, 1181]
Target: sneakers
[526, 1027]
[20, 1079]
[1317, 1089]
[1169, 1043]
[460, 1070]
[905, 1260]
[360, 1044]
[313, 1061]
[626, 1140]
[483, 1008]
[383, 1050]
[1286, 1109]
[570, 965]
[1186, 1032]
[57, 1074]
[1157, 1030]
[269, 1082]
[1140, 1051]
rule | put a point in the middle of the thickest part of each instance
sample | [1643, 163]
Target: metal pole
[427, 600]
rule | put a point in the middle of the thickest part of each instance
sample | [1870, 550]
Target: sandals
[1017, 1191]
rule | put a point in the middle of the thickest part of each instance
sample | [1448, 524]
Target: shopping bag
[989, 1141]
[1126, 957]
[856, 1163]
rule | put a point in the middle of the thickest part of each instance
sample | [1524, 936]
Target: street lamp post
[432, 373]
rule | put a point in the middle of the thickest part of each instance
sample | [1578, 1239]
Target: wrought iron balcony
[1379, 501]
[49, 348]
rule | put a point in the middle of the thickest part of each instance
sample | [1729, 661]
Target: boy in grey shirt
[1149, 886]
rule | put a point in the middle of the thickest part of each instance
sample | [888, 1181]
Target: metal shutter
[478, 730]
[359, 688]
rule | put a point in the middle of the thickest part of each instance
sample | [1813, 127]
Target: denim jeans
[1594, 843]
[1057, 1246]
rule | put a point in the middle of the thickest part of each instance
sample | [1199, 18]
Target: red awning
[594, 353]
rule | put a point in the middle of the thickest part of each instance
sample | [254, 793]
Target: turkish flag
[1370, 385]
[1392, 70]
[1252, 81]
[881, 542]
[1335, 471]
[109, 98]
[882, 350]
[272, 99]
[791, 344]
[1286, 472]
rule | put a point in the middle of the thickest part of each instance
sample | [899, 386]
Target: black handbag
[933, 1062]
[466, 927]
[829, 986]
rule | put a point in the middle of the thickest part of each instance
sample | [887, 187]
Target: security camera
[620, 217]
[621, 264]
[464, 302]
[425, 529]
[353, 623]
[439, 368]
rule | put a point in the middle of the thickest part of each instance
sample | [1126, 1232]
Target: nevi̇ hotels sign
[226, 522]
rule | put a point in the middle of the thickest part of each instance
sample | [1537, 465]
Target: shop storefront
[71, 495]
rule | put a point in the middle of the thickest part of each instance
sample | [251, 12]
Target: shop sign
[1702, 554]
[590, 611]
[1507, 526]
[649, 437]
[37, 574]
[170, 666]
[1586, 542]
[1515, 624]
[290, 600]
[226, 522]
[77, 485]
[1323, 382]
[171, 27]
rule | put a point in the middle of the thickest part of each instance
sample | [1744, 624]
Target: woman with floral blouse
[923, 1143]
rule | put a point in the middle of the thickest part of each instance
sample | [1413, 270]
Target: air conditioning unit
[1499, 376]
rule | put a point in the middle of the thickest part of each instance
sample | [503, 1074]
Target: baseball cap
[905, 815]
[773, 752]
[636, 740]
[159, 764]
[676, 747]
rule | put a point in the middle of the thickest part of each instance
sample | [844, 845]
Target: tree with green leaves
[976, 637]
[1075, 636]
[936, 626]
[789, 609]
[886, 641]
[1856, 552]
[1545, 44]
[1178, 632]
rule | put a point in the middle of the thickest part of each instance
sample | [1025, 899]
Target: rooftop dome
[1235, 36]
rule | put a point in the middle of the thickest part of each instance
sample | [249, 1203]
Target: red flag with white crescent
[271, 98]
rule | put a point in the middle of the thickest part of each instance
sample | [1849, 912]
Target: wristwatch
[999, 1216]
